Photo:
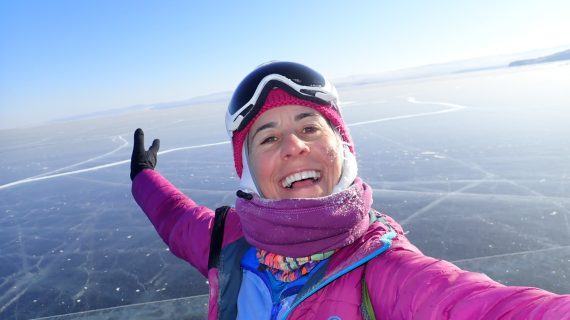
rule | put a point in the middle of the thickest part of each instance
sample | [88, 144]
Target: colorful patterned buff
[289, 269]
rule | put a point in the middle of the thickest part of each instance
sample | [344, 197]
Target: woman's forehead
[293, 112]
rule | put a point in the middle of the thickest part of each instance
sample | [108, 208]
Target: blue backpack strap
[217, 237]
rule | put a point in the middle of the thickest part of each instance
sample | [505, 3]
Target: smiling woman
[303, 241]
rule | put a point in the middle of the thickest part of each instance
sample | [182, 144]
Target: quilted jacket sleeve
[405, 284]
[183, 225]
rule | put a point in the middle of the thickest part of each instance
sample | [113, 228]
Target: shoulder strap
[217, 237]
[366, 306]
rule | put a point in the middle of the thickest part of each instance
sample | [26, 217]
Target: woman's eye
[268, 140]
[310, 129]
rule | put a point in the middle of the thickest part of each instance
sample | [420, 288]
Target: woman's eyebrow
[265, 126]
[304, 115]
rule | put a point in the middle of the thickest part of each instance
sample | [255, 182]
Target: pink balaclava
[278, 97]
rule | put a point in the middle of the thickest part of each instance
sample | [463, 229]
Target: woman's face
[294, 153]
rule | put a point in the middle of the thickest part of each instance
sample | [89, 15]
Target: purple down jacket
[402, 282]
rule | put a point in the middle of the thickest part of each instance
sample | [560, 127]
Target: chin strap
[244, 195]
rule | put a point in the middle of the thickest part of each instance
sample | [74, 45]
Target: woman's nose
[293, 146]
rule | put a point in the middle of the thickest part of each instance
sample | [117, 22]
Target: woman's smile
[300, 178]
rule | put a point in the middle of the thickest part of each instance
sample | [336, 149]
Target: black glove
[142, 159]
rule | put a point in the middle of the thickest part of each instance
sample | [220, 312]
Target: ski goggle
[297, 79]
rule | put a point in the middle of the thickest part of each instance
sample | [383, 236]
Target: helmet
[295, 78]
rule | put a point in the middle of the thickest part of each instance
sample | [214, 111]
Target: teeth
[288, 181]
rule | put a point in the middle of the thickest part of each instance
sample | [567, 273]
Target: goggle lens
[298, 74]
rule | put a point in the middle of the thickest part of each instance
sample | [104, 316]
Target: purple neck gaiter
[302, 227]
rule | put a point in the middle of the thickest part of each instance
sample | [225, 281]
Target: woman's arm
[405, 284]
[183, 225]
[180, 222]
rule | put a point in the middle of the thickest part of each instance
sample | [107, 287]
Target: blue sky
[63, 58]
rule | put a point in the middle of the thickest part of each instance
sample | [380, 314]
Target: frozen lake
[475, 166]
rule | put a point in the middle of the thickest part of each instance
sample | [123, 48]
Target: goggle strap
[260, 94]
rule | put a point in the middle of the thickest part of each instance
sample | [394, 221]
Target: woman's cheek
[263, 165]
[332, 154]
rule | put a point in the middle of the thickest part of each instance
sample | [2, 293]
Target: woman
[303, 241]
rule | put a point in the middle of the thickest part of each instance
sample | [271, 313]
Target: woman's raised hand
[141, 158]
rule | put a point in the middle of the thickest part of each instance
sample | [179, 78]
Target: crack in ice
[452, 107]
[511, 254]
[108, 165]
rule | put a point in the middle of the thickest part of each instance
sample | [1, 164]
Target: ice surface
[475, 166]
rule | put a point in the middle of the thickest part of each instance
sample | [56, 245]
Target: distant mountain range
[559, 56]
[218, 97]
[457, 67]
[427, 71]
